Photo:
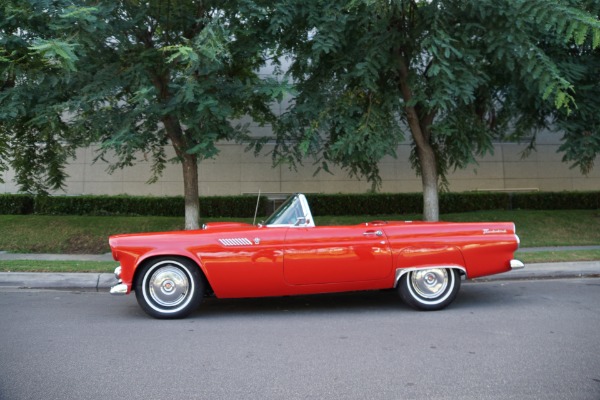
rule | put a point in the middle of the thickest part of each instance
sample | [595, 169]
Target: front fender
[130, 261]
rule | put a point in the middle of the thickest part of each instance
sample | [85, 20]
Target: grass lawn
[557, 256]
[57, 266]
[73, 234]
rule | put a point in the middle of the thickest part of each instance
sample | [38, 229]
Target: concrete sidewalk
[103, 281]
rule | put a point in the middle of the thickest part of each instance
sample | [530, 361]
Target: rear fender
[429, 256]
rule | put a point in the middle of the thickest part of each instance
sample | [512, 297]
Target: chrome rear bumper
[516, 264]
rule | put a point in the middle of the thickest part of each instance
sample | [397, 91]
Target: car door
[244, 263]
[329, 254]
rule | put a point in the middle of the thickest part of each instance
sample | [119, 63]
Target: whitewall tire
[169, 287]
[429, 289]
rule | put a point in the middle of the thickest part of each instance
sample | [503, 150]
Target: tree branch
[411, 112]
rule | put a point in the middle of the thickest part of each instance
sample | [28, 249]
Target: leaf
[56, 52]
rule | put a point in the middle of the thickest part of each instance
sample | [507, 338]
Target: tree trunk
[429, 177]
[189, 164]
[191, 192]
[420, 128]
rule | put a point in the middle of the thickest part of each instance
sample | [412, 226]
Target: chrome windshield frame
[294, 212]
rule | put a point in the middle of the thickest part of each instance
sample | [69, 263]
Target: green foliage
[55, 54]
[463, 202]
[35, 73]
[215, 206]
[212, 206]
[556, 201]
[18, 204]
[412, 203]
[365, 204]
[133, 76]
[320, 204]
[171, 72]
[581, 127]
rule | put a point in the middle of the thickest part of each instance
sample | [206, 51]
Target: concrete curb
[41, 280]
[102, 282]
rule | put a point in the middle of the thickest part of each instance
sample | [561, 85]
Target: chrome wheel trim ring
[429, 284]
[168, 287]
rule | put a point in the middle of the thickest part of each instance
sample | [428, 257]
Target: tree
[451, 74]
[141, 75]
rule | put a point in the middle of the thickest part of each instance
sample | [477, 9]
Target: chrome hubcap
[430, 283]
[168, 286]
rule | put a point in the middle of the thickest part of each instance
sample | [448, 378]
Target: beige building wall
[236, 171]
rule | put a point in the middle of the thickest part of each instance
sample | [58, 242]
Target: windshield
[288, 213]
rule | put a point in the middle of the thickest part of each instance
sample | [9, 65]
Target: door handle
[373, 233]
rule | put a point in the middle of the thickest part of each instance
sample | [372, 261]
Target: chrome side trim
[236, 242]
[516, 264]
[119, 289]
[402, 271]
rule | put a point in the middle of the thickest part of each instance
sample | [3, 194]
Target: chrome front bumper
[120, 288]
[516, 264]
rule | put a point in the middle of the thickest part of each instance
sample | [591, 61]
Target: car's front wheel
[169, 287]
[429, 289]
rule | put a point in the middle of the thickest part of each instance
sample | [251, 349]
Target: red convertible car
[287, 254]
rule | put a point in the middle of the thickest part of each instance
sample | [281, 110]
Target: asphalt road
[498, 340]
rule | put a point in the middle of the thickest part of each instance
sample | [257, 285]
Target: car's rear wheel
[429, 289]
[169, 287]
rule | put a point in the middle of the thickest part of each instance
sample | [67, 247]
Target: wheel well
[402, 271]
[136, 274]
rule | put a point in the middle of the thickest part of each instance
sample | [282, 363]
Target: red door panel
[322, 255]
[245, 263]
